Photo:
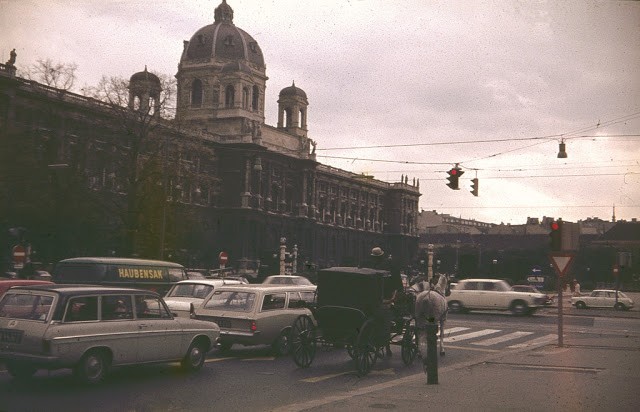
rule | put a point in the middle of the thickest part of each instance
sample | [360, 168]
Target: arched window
[245, 98]
[196, 93]
[229, 98]
[255, 98]
[287, 120]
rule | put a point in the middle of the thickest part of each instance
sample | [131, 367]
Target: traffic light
[454, 176]
[556, 236]
[474, 186]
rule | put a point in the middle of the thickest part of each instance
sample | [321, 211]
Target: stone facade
[224, 180]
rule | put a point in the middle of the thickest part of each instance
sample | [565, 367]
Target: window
[299, 299]
[150, 307]
[255, 98]
[273, 301]
[116, 307]
[196, 93]
[82, 309]
[470, 286]
[245, 98]
[229, 98]
[231, 301]
[20, 306]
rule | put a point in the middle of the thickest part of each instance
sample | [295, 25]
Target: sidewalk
[591, 372]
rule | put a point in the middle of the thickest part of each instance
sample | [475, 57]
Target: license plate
[223, 323]
[10, 336]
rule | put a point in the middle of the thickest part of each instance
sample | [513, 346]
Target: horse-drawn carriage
[352, 311]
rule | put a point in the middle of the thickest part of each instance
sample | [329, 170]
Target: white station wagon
[91, 328]
[603, 298]
[256, 314]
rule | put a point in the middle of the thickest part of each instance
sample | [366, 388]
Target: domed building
[218, 177]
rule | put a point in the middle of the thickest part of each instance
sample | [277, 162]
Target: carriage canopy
[359, 288]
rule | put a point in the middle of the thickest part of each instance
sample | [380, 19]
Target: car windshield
[190, 290]
[231, 301]
[26, 306]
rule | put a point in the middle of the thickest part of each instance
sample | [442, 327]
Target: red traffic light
[454, 175]
[556, 236]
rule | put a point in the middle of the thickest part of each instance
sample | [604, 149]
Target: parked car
[256, 314]
[92, 328]
[286, 280]
[5, 284]
[184, 293]
[603, 298]
[492, 294]
[533, 289]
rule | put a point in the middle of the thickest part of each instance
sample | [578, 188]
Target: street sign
[223, 258]
[561, 262]
[19, 254]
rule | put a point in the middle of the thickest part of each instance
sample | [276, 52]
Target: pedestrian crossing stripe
[501, 339]
[470, 335]
[538, 341]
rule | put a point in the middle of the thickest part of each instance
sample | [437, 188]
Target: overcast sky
[409, 87]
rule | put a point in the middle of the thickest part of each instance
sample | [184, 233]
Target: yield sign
[561, 262]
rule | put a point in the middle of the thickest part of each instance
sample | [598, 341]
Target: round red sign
[19, 255]
[223, 258]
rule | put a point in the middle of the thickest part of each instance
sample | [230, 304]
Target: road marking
[325, 377]
[218, 359]
[470, 335]
[537, 341]
[454, 330]
[503, 338]
[262, 358]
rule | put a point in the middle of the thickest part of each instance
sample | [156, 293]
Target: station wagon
[256, 314]
[92, 328]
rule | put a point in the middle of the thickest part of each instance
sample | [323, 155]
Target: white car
[287, 280]
[493, 294]
[181, 295]
[256, 314]
[603, 298]
[91, 329]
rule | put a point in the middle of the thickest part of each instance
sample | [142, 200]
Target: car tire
[455, 307]
[282, 345]
[619, 306]
[196, 354]
[519, 308]
[20, 371]
[580, 305]
[93, 367]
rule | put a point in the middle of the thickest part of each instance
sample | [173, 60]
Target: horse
[431, 306]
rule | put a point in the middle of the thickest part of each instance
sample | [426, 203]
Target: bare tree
[59, 75]
[146, 157]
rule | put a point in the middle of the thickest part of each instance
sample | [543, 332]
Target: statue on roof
[12, 58]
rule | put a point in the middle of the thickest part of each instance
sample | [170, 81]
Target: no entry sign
[223, 258]
[19, 254]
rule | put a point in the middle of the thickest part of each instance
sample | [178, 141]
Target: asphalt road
[252, 379]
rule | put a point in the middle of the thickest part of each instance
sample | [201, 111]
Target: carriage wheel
[409, 344]
[365, 349]
[303, 341]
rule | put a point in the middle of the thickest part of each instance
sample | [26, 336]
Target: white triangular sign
[561, 263]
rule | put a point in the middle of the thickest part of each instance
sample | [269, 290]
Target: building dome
[222, 40]
[145, 76]
[293, 91]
